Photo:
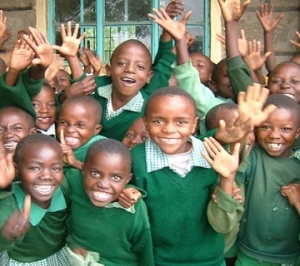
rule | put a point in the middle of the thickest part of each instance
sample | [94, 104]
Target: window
[110, 22]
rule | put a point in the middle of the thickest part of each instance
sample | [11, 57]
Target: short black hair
[28, 141]
[210, 118]
[215, 72]
[89, 102]
[134, 42]
[171, 91]
[27, 115]
[284, 102]
[109, 146]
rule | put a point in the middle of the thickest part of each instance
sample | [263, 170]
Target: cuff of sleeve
[166, 45]
[27, 80]
[82, 77]
[226, 202]
[178, 69]
[234, 62]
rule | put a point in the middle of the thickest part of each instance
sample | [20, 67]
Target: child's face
[63, 78]
[170, 121]
[285, 79]
[41, 172]
[14, 126]
[222, 86]
[277, 135]
[203, 65]
[45, 108]
[79, 125]
[130, 69]
[136, 134]
[105, 177]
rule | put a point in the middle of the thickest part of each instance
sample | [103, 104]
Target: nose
[103, 183]
[169, 128]
[7, 132]
[284, 85]
[46, 174]
[136, 140]
[44, 108]
[274, 134]
[70, 128]
[130, 68]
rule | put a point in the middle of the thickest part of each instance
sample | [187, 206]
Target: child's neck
[118, 101]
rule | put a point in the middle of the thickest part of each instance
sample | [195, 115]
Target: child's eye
[35, 105]
[276, 81]
[57, 169]
[95, 174]
[18, 128]
[144, 138]
[121, 64]
[116, 178]
[80, 125]
[286, 129]
[140, 67]
[157, 121]
[63, 123]
[181, 122]
[34, 168]
[1, 129]
[265, 127]
[295, 82]
[129, 135]
[52, 105]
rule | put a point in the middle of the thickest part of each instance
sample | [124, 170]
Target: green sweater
[177, 209]
[41, 240]
[120, 237]
[21, 94]
[270, 227]
[117, 127]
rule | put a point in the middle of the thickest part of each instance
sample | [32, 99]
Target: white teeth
[289, 95]
[101, 196]
[130, 80]
[44, 119]
[71, 140]
[169, 141]
[275, 146]
[44, 189]
[10, 145]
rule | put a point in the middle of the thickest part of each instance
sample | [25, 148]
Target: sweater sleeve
[225, 214]
[239, 74]
[32, 86]
[162, 48]
[188, 79]
[141, 240]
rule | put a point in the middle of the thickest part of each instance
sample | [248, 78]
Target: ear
[145, 122]
[98, 129]
[213, 86]
[129, 178]
[298, 133]
[195, 125]
[108, 69]
[150, 75]
[32, 131]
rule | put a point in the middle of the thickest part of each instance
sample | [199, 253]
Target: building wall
[23, 13]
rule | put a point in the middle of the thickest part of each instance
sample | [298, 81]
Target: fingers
[27, 206]
[186, 17]
[62, 137]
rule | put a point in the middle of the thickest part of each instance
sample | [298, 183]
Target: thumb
[236, 150]
[186, 17]
[62, 137]
[27, 206]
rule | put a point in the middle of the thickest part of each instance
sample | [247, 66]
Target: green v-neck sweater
[177, 208]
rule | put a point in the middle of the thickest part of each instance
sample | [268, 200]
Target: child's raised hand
[175, 8]
[177, 29]
[297, 44]
[7, 169]
[129, 196]
[84, 57]
[71, 43]
[255, 59]
[21, 56]
[252, 101]
[220, 160]
[2, 23]
[55, 66]
[232, 10]
[18, 223]
[95, 61]
[41, 46]
[266, 19]
[83, 87]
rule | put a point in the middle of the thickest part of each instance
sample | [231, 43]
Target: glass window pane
[198, 31]
[113, 36]
[197, 6]
[70, 10]
[127, 10]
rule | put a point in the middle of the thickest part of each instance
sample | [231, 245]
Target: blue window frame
[110, 22]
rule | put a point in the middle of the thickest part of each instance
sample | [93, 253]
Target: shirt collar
[37, 213]
[50, 131]
[156, 159]
[134, 105]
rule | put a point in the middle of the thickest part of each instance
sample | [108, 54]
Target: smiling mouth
[169, 140]
[101, 196]
[10, 145]
[71, 140]
[128, 81]
[289, 95]
[44, 190]
[44, 119]
[275, 146]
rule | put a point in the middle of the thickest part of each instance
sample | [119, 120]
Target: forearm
[12, 77]
[269, 47]
[182, 52]
[75, 66]
[231, 33]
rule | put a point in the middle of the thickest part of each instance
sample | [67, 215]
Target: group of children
[112, 170]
